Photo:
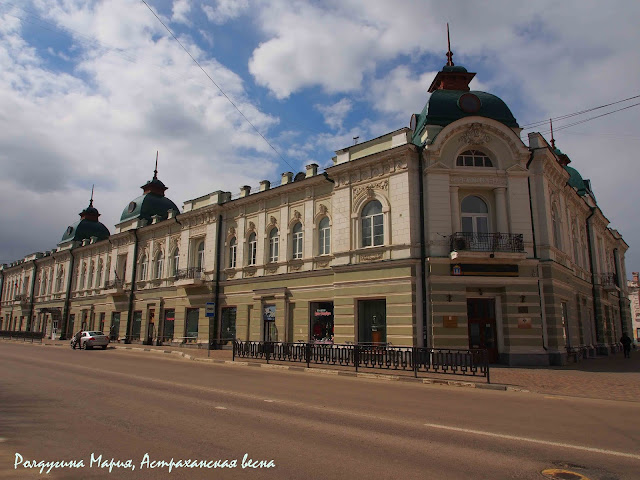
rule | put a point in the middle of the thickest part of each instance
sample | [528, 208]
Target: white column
[455, 210]
[502, 224]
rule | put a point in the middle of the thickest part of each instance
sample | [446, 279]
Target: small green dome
[454, 68]
[148, 205]
[85, 228]
[575, 180]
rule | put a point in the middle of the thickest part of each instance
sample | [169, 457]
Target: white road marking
[270, 401]
[220, 408]
[534, 440]
[2, 439]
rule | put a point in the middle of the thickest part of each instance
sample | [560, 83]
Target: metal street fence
[24, 335]
[416, 359]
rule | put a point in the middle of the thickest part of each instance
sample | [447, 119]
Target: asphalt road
[61, 405]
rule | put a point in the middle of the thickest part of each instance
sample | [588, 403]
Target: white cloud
[181, 9]
[335, 114]
[225, 10]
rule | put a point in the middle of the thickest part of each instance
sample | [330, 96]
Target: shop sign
[269, 313]
[450, 321]
[524, 322]
[484, 270]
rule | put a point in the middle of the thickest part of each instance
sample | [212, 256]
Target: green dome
[454, 68]
[444, 108]
[148, 205]
[575, 180]
[85, 228]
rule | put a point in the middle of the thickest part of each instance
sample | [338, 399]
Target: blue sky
[91, 89]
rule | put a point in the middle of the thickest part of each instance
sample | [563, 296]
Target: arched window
[159, 265]
[143, 267]
[372, 224]
[200, 257]
[176, 262]
[59, 280]
[297, 238]
[233, 248]
[555, 225]
[475, 215]
[43, 290]
[274, 245]
[324, 237]
[253, 249]
[473, 158]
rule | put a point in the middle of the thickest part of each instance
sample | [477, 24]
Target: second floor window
[473, 158]
[176, 261]
[555, 226]
[274, 245]
[372, 224]
[159, 264]
[475, 215]
[143, 268]
[324, 237]
[232, 252]
[297, 241]
[200, 257]
[253, 249]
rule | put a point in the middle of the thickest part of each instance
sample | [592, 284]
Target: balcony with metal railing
[487, 242]
[114, 287]
[608, 280]
[191, 276]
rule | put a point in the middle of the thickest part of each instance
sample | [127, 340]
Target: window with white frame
[59, 280]
[473, 158]
[83, 276]
[176, 261]
[324, 237]
[143, 267]
[233, 249]
[159, 264]
[474, 215]
[274, 245]
[100, 271]
[372, 224]
[297, 237]
[200, 256]
[91, 275]
[253, 249]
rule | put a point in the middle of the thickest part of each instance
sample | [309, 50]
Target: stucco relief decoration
[371, 257]
[369, 189]
[271, 269]
[474, 135]
[231, 232]
[250, 272]
[296, 266]
[196, 232]
[273, 221]
[296, 214]
[174, 242]
[323, 264]
[322, 209]
[231, 273]
[157, 247]
[252, 228]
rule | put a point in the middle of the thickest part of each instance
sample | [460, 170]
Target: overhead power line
[529, 126]
[218, 86]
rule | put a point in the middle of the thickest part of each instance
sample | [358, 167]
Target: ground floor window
[269, 318]
[372, 321]
[102, 318]
[321, 322]
[228, 323]
[193, 315]
[114, 331]
[169, 324]
[136, 325]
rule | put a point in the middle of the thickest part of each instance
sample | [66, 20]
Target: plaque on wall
[524, 323]
[450, 321]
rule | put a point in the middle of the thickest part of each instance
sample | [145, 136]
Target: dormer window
[473, 158]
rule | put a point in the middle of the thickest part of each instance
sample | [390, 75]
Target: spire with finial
[553, 141]
[155, 172]
[449, 52]
[90, 213]
[91, 201]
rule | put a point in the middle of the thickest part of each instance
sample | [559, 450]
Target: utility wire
[218, 87]
[528, 126]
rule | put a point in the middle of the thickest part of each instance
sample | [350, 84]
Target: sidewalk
[613, 377]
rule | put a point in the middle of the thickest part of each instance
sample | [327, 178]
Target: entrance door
[481, 314]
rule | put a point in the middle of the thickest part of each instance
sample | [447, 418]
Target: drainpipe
[423, 259]
[543, 312]
[216, 298]
[133, 287]
[65, 313]
[33, 291]
[620, 284]
[593, 275]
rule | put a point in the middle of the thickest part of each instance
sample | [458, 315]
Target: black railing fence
[487, 242]
[416, 359]
[196, 273]
[20, 334]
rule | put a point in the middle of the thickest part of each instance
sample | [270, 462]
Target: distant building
[634, 296]
[452, 233]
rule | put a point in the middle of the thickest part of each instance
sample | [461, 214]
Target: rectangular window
[378, 230]
[366, 232]
[273, 249]
[269, 318]
[253, 251]
[372, 321]
[102, 318]
[114, 330]
[232, 256]
[297, 245]
[169, 325]
[321, 322]
[228, 323]
[136, 325]
[191, 332]
[325, 241]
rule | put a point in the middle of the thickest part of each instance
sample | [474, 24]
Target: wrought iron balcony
[608, 280]
[196, 273]
[487, 242]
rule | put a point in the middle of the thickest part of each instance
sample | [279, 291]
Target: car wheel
[104, 347]
[86, 346]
